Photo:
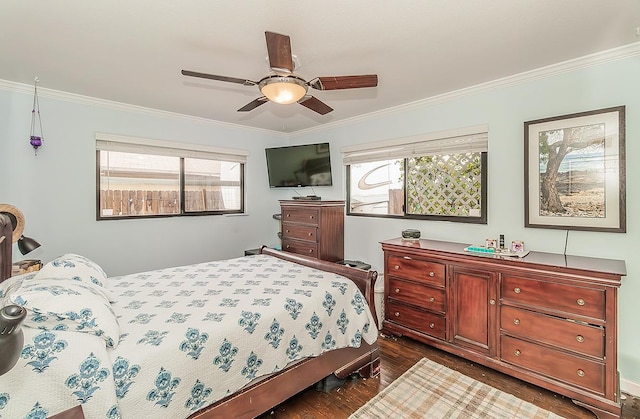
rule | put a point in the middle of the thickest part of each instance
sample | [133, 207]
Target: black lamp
[27, 245]
[11, 336]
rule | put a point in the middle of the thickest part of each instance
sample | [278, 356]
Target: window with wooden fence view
[441, 187]
[147, 185]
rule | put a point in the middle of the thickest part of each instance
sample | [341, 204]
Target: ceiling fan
[283, 86]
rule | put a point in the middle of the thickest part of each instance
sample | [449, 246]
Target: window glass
[376, 187]
[138, 184]
[212, 185]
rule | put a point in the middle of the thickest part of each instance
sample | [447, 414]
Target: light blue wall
[505, 109]
[56, 189]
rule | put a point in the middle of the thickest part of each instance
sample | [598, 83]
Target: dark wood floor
[397, 356]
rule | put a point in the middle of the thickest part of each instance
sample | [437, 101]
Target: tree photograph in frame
[575, 171]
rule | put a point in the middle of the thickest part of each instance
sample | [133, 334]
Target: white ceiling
[132, 52]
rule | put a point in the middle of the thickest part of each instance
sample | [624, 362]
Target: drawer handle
[406, 257]
[288, 215]
[397, 314]
[517, 352]
[286, 231]
[580, 302]
[397, 290]
[492, 302]
[310, 250]
[396, 267]
[310, 234]
[431, 300]
[432, 325]
[580, 338]
[580, 373]
[517, 290]
[431, 274]
[516, 321]
[288, 246]
[311, 217]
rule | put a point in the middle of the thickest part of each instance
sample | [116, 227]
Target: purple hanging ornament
[36, 140]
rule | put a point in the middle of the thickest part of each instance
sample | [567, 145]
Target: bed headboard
[6, 234]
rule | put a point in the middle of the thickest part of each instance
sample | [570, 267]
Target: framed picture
[574, 171]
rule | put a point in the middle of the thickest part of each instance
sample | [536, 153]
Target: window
[439, 176]
[146, 178]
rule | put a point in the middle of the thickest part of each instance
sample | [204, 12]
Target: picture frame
[574, 171]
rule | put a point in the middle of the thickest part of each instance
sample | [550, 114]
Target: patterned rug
[431, 390]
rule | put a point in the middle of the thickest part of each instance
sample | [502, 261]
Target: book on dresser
[548, 319]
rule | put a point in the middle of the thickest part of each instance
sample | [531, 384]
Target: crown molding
[591, 60]
[27, 89]
[615, 54]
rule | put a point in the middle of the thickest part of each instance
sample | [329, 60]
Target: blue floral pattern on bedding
[189, 336]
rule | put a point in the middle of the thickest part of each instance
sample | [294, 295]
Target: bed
[227, 338]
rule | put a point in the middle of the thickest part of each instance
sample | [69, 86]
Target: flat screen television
[300, 165]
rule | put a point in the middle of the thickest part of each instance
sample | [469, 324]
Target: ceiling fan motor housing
[283, 89]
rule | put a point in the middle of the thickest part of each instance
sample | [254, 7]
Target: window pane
[138, 184]
[212, 185]
[445, 185]
[376, 188]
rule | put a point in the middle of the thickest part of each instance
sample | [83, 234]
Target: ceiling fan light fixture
[283, 89]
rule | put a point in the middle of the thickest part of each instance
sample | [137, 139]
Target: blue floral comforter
[188, 336]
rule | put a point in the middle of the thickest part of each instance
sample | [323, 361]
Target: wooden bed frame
[269, 392]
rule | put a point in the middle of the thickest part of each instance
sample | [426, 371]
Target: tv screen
[301, 165]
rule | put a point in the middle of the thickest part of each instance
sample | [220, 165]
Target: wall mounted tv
[301, 165]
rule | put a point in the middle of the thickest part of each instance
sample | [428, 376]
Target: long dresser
[548, 319]
[314, 228]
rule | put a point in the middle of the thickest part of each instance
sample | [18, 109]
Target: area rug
[431, 390]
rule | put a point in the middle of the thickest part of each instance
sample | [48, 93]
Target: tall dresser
[548, 319]
[313, 228]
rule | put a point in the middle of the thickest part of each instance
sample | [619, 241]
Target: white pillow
[67, 304]
[77, 268]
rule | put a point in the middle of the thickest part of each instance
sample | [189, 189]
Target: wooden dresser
[313, 228]
[548, 319]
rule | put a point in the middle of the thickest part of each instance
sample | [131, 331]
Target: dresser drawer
[558, 365]
[585, 339]
[420, 295]
[420, 270]
[300, 232]
[587, 302]
[300, 247]
[300, 215]
[422, 321]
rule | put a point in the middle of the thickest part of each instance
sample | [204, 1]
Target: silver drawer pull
[432, 325]
[580, 302]
[286, 231]
[517, 290]
[310, 250]
[580, 338]
[431, 300]
[397, 290]
[288, 215]
[288, 246]
[516, 321]
[397, 314]
[517, 352]
[396, 267]
[311, 217]
[310, 234]
[432, 274]
[580, 373]
[406, 257]
[492, 302]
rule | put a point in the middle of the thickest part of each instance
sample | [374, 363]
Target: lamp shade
[283, 89]
[11, 336]
[27, 245]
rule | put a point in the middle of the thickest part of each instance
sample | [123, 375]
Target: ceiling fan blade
[254, 104]
[279, 49]
[219, 78]
[315, 104]
[344, 82]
